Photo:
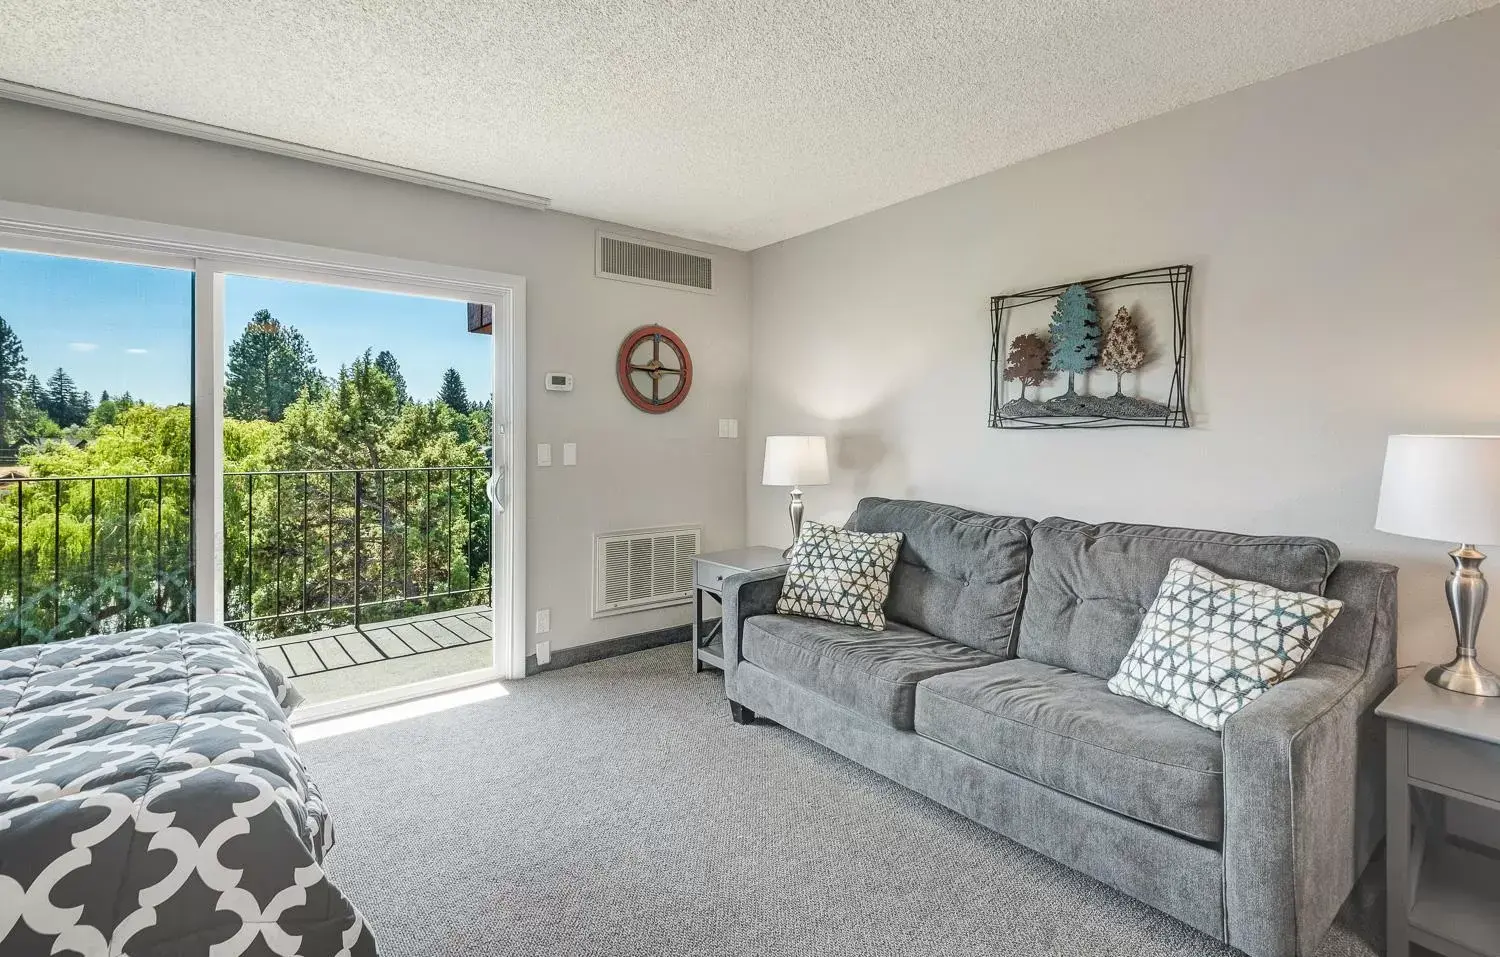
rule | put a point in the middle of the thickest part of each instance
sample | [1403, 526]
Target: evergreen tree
[347, 426]
[13, 382]
[62, 401]
[1123, 351]
[269, 366]
[1027, 362]
[453, 394]
[386, 362]
[1075, 333]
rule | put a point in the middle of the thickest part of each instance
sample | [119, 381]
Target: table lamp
[795, 460]
[1447, 488]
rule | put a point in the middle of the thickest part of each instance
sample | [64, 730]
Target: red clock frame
[661, 371]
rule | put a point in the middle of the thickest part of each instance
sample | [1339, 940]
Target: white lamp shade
[795, 460]
[1442, 487]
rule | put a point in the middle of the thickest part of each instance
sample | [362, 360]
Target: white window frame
[211, 256]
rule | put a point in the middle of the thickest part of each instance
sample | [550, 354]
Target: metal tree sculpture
[1123, 351]
[1075, 333]
[1027, 362]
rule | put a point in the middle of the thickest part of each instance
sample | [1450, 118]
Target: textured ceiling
[740, 122]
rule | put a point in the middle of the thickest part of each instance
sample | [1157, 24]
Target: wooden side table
[709, 572]
[1444, 890]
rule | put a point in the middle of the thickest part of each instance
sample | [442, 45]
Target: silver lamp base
[1467, 676]
[1467, 591]
[794, 511]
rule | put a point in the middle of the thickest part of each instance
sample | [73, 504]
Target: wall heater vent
[644, 568]
[619, 257]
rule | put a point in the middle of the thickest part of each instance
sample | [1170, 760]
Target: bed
[153, 804]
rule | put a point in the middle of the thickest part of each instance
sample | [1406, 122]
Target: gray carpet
[614, 809]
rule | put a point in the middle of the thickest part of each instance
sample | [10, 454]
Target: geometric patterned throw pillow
[839, 575]
[1210, 645]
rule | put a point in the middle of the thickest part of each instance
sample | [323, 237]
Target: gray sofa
[986, 693]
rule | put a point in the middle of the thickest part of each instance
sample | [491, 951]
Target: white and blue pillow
[840, 575]
[1210, 645]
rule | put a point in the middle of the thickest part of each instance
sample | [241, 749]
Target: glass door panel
[96, 418]
[357, 451]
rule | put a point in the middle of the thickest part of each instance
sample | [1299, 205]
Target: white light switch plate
[543, 620]
[570, 453]
[729, 428]
[543, 454]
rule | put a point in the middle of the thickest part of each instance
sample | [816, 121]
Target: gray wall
[634, 469]
[1344, 222]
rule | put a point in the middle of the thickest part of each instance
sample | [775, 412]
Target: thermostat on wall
[559, 382]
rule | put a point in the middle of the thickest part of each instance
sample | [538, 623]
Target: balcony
[349, 579]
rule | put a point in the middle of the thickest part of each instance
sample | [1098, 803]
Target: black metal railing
[303, 550]
[313, 549]
[84, 554]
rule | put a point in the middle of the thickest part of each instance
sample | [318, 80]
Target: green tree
[108, 410]
[1075, 333]
[269, 366]
[32, 424]
[395, 497]
[453, 394]
[386, 362]
[63, 403]
[352, 495]
[13, 381]
[96, 551]
[345, 427]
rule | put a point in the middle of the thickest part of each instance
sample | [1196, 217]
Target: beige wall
[634, 470]
[1344, 223]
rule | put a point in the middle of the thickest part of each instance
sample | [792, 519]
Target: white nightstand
[1444, 891]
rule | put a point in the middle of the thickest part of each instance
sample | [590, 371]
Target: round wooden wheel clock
[654, 369]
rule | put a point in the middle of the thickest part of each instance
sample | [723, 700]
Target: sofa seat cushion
[875, 674]
[1066, 730]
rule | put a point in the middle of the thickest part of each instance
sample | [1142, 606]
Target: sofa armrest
[1304, 785]
[746, 594]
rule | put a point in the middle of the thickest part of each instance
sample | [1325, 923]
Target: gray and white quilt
[152, 804]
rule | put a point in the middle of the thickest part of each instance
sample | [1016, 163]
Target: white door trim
[212, 253]
[208, 444]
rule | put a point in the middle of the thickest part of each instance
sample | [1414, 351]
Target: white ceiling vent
[631, 260]
[644, 568]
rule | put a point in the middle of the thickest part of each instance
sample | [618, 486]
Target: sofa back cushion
[961, 575]
[1091, 584]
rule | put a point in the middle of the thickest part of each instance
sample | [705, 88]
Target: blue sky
[120, 327]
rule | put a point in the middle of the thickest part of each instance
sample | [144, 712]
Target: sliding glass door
[357, 451]
[96, 424]
[304, 445]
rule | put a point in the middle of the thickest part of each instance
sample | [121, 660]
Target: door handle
[494, 489]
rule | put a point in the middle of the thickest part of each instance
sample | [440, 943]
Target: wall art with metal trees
[1098, 353]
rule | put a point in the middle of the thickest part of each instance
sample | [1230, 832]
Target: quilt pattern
[152, 803]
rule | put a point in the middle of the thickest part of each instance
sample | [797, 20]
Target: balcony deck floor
[337, 663]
